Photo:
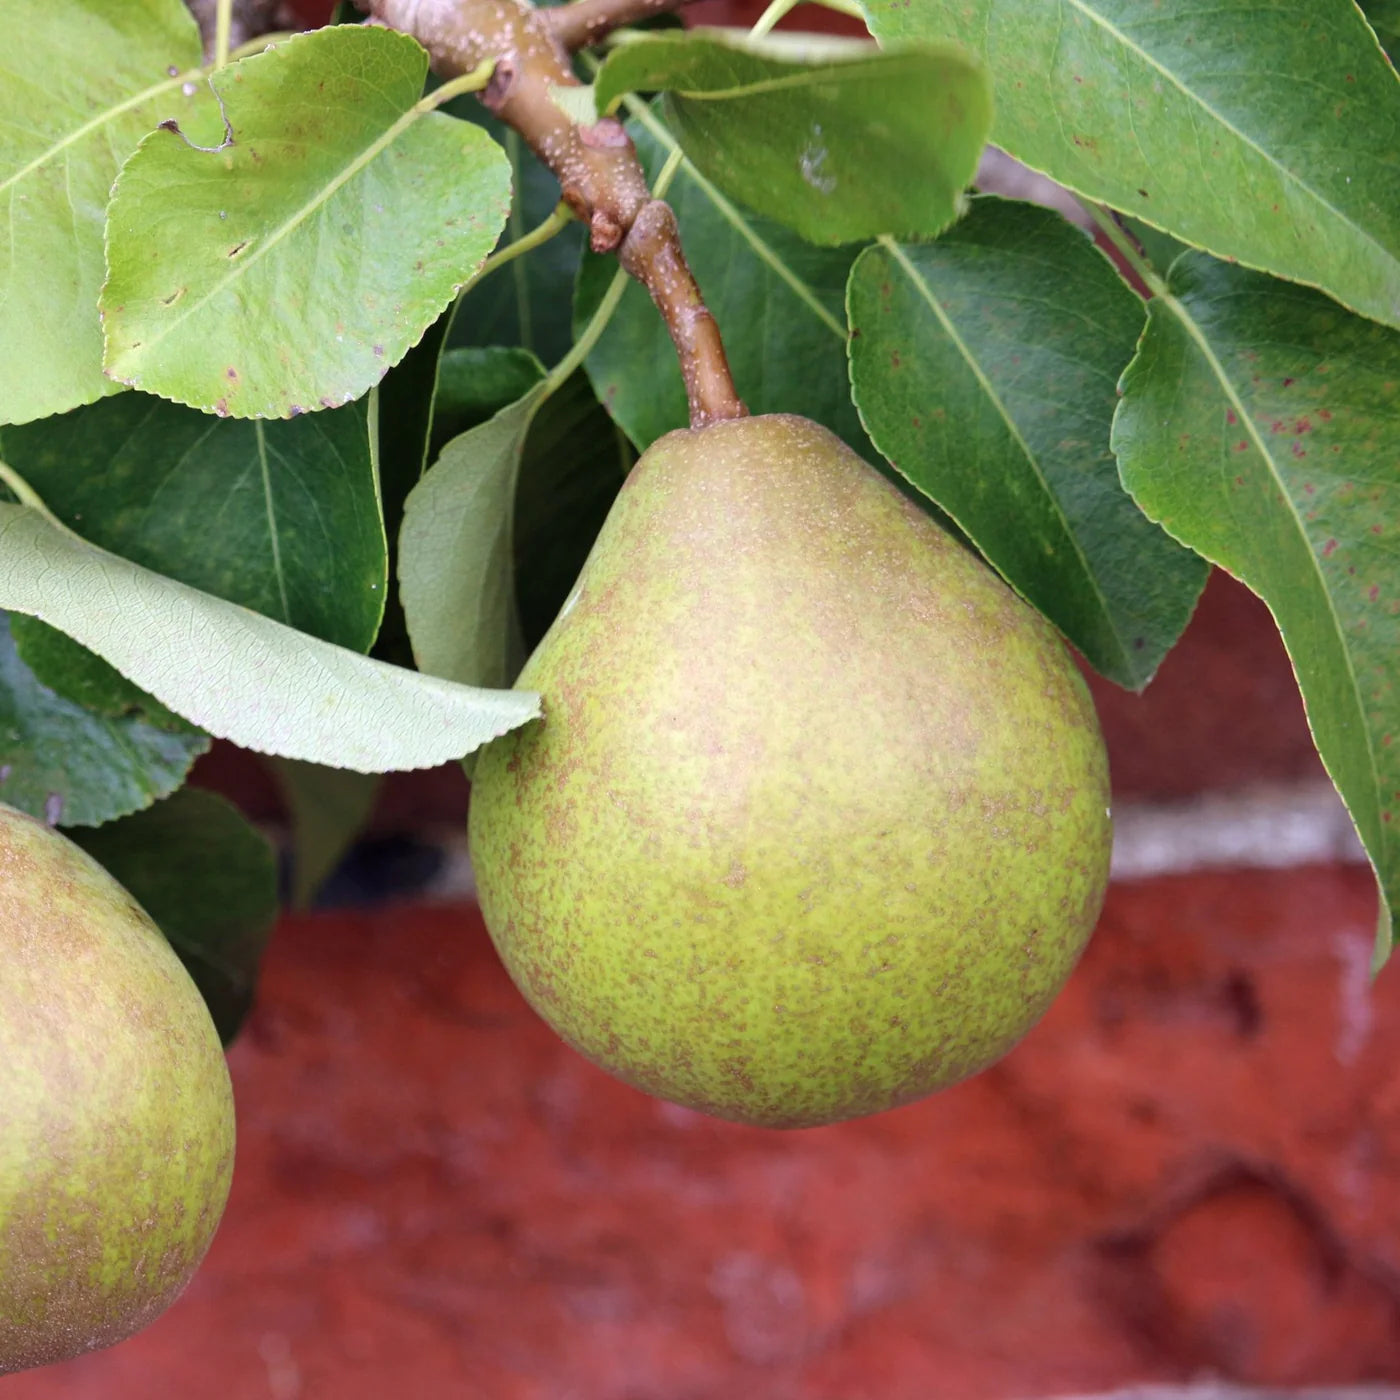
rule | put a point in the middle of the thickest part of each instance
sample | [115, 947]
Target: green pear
[816, 820]
[116, 1113]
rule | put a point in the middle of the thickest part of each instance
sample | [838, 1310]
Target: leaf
[209, 881]
[61, 763]
[456, 575]
[329, 808]
[81, 676]
[238, 674]
[81, 81]
[281, 517]
[840, 150]
[573, 466]
[780, 300]
[1260, 423]
[475, 383]
[1269, 134]
[985, 367]
[288, 268]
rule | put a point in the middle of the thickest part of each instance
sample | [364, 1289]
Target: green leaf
[281, 517]
[62, 763]
[839, 150]
[289, 267]
[81, 81]
[238, 674]
[1269, 134]
[79, 675]
[574, 464]
[209, 881]
[780, 300]
[329, 808]
[985, 367]
[456, 574]
[1260, 423]
[475, 383]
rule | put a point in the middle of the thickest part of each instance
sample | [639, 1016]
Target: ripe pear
[116, 1113]
[816, 820]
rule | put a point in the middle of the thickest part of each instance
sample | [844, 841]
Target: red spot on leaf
[1242, 446]
[1373, 592]
[1230, 417]
[1329, 548]
[1287, 383]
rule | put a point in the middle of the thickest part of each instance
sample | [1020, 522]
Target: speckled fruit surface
[816, 819]
[116, 1112]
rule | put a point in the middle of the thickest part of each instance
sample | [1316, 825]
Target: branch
[587, 22]
[596, 164]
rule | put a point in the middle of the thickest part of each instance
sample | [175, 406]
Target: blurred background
[1187, 1176]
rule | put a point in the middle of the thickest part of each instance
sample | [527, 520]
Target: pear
[116, 1113]
[816, 820]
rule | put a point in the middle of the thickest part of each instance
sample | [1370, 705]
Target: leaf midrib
[950, 330]
[1203, 345]
[95, 124]
[1199, 100]
[290, 224]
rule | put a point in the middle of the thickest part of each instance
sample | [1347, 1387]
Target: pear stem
[596, 164]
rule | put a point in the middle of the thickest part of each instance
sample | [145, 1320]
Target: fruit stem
[596, 164]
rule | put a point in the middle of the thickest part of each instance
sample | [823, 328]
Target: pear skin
[816, 820]
[116, 1113]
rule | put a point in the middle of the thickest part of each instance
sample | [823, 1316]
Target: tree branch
[586, 22]
[596, 164]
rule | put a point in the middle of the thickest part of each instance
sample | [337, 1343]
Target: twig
[595, 162]
[652, 254]
[586, 22]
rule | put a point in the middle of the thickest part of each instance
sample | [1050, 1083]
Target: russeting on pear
[116, 1114]
[816, 820]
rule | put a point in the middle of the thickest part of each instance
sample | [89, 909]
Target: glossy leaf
[209, 881]
[985, 367]
[1260, 423]
[838, 150]
[1269, 134]
[780, 300]
[282, 517]
[240, 675]
[287, 269]
[62, 763]
[456, 571]
[81, 81]
[328, 809]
